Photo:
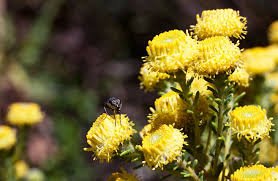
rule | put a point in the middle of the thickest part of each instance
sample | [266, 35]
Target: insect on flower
[115, 105]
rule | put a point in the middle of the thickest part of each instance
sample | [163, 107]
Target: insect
[115, 105]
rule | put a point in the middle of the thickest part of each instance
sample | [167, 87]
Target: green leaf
[239, 96]
[213, 108]
[189, 111]
[196, 99]
[176, 90]
[214, 91]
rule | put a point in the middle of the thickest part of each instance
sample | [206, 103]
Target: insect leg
[120, 117]
[105, 111]
[115, 118]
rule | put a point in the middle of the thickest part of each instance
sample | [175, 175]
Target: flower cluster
[250, 122]
[7, 137]
[24, 114]
[162, 146]
[196, 127]
[107, 134]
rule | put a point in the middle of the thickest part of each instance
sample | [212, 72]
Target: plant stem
[208, 140]
[220, 118]
[228, 143]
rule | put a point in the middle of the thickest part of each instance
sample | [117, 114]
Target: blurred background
[70, 56]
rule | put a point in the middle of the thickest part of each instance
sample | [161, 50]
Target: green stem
[218, 141]
[208, 140]
[247, 151]
[192, 172]
[228, 143]
[20, 146]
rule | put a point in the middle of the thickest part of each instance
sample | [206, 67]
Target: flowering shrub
[202, 126]
[214, 118]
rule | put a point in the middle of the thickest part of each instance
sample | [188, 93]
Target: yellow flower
[7, 137]
[257, 61]
[250, 122]
[24, 114]
[122, 176]
[252, 173]
[274, 173]
[169, 109]
[21, 169]
[220, 22]
[146, 129]
[162, 146]
[240, 77]
[199, 84]
[171, 51]
[268, 152]
[106, 135]
[273, 32]
[149, 78]
[217, 55]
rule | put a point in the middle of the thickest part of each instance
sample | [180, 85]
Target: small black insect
[115, 105]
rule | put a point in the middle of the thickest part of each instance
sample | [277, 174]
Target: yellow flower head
[250, 122]
[273, 32]
[106, 135]
[240, 77]
[252, 173]
[220, 22]
[162, 146]
[24, 114]
[268, 151]
[257, 61]
[149, 78]
[7, 137]
[171, 51]
[217, 55]
[21, 169]
[122, 176]
[169, 109]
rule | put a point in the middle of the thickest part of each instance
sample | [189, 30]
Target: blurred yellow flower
[252, 173]
[149, 78]
[162, 146]
[24, 114]
[240, 77]
[171, 51]
[122, 176]
[273, 32]
[257, 61]
[271, 51]
[106, 135]
[268, 151]
[21, 169]
[220, 22]
[169, 109]
[7, 137]
[217, 55]
[250, 122]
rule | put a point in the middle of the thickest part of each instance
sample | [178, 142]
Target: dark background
[70, 56]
